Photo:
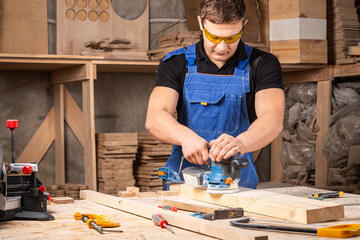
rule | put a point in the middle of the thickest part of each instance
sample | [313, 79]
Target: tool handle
[159, 220]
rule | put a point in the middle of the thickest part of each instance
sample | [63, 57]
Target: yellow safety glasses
[216, 39]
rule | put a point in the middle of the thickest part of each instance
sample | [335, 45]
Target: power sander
[222, 178]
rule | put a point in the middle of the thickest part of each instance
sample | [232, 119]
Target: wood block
[62, 200]
[167, 194]
[297, 209]
[284, 9]
[132, 189]
[146, 194]
[354, 50]
[354, 155]
[126, 194]
[300, 51]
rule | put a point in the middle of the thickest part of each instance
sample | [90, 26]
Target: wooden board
[67, 24]
[23, 26]
[297, 209]
[209, 228]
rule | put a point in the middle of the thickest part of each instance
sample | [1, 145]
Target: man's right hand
[196, 150]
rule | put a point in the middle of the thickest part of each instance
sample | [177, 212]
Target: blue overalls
[212, 105]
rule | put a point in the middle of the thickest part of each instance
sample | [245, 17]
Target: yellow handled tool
[97, 222]
[337, 231]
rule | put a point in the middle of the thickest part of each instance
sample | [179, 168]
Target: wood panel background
[23, 26]
[71, 35]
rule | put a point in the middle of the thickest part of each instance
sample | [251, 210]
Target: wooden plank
[314, 75]
[276, 170]
[24, 26]
[347, 70]
[182, 205]
[59, 134]
[89, 131]
[209, 228]
[297, 209]
[62, 200]
[40, 141]
[73, 116]
[71, 74]
[322, 115]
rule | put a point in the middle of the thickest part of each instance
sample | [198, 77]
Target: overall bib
[213, 105]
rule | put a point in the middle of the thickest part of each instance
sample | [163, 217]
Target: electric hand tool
[222, 177]
[22, 195]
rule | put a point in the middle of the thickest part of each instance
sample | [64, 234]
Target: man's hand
[224, 147]
[196, 150]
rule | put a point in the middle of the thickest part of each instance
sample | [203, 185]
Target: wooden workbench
[65, 227]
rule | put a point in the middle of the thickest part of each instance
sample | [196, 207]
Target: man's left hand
[224, 147]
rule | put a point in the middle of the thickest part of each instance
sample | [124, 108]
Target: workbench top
[65, 227]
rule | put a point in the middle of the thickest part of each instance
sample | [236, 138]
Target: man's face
[219, 53]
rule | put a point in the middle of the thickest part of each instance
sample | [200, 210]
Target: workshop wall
[120, 99]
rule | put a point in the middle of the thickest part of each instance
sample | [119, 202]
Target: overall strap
[243, 68]
[173, 53]
[190, 57]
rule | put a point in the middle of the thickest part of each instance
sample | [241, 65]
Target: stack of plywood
[66, 190]
[172, 41]
[343, 30]
[152, 154]
[115, 155]
[298, 31]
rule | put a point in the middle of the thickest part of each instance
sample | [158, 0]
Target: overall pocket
[204, 111]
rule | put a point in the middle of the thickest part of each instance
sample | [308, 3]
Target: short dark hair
[222, 11]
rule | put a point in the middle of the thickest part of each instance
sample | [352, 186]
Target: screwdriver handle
[160, 221]
[91, 223]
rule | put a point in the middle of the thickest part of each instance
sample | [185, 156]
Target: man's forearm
[261, 132]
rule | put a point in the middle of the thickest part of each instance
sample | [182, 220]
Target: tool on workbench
[328, 195]
[22, 195]
[98, 222]
[222, 177]
[337, 231]
[207, 216]
[168, 207]
[161, 222]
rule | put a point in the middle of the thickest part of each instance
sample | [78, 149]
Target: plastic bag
[340, 137]
[303, 92]
[345, 96]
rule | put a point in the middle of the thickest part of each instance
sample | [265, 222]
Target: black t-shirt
[265, 72]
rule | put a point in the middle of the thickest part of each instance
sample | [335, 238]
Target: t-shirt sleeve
[268, 73]
[170, 72]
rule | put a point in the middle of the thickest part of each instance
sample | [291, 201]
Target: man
[228, 96]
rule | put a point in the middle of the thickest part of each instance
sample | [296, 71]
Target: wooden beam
[182, 220]
[347, 70]
[314, 75]
[74, 116]
[276, 170]
[297, 209]
[59, 134]
[72, 74]
[40, 141]
[89, 131]
[322, 115]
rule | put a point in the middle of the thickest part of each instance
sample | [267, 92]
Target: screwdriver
[169, 207]
[160, 221]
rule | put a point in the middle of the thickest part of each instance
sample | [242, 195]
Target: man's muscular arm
[269, 107]
[162, 125]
